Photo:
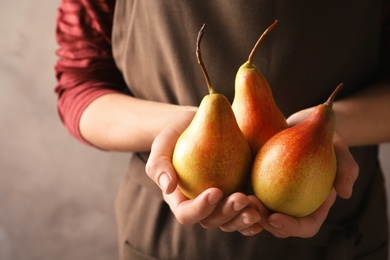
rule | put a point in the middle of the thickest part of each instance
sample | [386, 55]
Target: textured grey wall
[56, 196]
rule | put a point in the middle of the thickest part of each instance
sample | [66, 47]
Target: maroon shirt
[86, 69]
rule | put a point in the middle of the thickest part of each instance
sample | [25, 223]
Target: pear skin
[212, 151]
[255, 109]
[294, 171]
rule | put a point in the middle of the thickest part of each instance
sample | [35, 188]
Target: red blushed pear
[212, 151]
[294, 171]
[257, 114]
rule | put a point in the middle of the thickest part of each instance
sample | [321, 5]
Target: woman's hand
[283, 226]
[210, 209]
[233, 213]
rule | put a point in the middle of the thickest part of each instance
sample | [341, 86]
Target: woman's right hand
[209, 209]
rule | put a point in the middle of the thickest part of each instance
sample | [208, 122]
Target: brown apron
[316, 45]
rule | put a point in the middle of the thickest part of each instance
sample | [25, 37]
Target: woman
[129, 81]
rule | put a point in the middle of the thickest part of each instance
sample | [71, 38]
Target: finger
[226, 211]
[282, 225]
[347, 168]
[244, 220]
[252, 230]
[159, 166]
[261, 209]
[189, 212]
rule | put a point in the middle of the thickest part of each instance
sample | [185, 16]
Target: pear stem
[200, 61]
[253, 52]
[331, 98]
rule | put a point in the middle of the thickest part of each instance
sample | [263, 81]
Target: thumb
[159, 165]
[347, 168]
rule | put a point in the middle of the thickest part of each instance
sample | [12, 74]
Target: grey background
[56, 195]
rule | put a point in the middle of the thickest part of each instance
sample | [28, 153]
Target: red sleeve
[85, 69]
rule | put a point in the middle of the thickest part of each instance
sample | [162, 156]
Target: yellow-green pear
[212, 151]
[294, 171]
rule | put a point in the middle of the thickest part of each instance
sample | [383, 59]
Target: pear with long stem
[254, 106]
[212, 151]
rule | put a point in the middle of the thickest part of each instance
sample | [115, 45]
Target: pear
[294, 171]
[212, 151]
[257, 114]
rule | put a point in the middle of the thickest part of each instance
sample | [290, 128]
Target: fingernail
[276, 225]
[164, 181]
[213, 198]
[246, 221]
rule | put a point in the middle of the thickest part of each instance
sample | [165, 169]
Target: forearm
[123, 123]
[364, 118]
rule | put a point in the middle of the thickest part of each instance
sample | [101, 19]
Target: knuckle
[184, 220]
[149, 166]
[311, 232]
[180, 219]
[182, 216]
[355, 168]
[152, 169]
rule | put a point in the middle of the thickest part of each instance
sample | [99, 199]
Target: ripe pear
[294, 171]
[212, 151]
[254, 106]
